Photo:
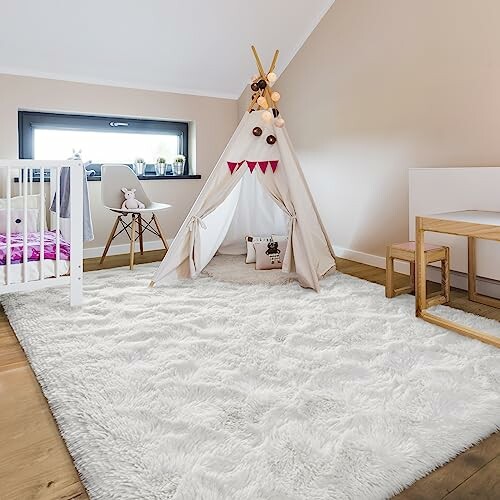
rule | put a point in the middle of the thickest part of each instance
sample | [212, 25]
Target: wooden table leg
[472, 266]
[132, 242]
[389, 274]
[445, 275]
[420, 264]
[141, 240]
[474, 295]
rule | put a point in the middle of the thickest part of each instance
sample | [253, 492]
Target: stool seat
[411, 246]
[407, 252]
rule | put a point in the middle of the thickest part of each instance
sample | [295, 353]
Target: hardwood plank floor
[35, 463]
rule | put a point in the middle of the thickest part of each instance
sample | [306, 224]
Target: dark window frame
[29, 120]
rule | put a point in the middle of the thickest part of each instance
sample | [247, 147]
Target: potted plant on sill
[178, 166]
[140, 166]
[161, 166]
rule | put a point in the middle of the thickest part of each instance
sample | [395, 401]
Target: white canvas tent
[256, 188]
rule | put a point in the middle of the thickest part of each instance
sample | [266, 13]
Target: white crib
[52, 253]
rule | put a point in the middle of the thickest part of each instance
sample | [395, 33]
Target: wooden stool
[406, 252]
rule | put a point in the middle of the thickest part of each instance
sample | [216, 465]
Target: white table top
[471, 216]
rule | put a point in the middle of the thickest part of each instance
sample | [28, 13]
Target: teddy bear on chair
[130, 202]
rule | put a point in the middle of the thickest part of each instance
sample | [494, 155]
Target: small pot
[140, 168]
[161, 168]
[178, 168]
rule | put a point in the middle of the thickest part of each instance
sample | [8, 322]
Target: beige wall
[385, 85]
[213, 119]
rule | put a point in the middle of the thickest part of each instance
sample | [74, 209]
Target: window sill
[141, 177]
[153, 177]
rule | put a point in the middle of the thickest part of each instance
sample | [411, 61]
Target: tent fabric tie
[196, 220]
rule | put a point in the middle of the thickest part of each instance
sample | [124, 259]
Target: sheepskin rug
[212, 390]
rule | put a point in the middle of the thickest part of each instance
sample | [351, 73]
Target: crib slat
[8, 235]
[42, 223]
[24, 178]
[58, 220]
[76, 233]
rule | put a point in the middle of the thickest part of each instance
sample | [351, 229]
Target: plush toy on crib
[130, 202]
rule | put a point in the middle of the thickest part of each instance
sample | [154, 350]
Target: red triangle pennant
[274, 165]
[232, 166]
[240, 163]
[263, 166]
[251, 165]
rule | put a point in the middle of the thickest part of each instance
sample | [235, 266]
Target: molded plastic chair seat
[114, 177]
[153, 207]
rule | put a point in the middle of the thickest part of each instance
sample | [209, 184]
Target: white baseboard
[88, 253]
[485, 286]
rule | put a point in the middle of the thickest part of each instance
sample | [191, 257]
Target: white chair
[113, 178]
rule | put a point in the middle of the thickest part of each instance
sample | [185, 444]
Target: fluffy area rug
[233, 269]
[212, 390]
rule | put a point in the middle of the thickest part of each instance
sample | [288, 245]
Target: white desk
[472, 224]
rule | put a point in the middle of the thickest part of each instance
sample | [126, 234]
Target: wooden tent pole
[268, 98]
[254, 100]
[275, 59]
[267, 92]
[259, 64]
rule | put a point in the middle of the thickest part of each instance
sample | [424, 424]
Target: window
[98, 139]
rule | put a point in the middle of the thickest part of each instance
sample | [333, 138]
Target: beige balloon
[267, 116]
[279, 122]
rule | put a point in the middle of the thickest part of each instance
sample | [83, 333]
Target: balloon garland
[263, 99]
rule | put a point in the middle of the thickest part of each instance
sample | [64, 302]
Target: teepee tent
[256, 188]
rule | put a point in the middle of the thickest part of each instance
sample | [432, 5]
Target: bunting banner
[233, 165]
[251, 165]
[263, 166]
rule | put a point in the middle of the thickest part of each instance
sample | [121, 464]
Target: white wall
[213, 120]
[380, 87]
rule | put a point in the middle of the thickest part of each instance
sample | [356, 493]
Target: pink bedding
[33, 247]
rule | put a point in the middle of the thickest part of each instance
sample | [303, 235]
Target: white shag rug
[233, 269]
[209, 390]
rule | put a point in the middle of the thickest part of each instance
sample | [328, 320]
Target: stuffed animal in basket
[130, 202]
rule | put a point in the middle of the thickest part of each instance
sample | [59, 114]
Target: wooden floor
[35, 464]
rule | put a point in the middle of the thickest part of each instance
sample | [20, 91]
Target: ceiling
[187, 46]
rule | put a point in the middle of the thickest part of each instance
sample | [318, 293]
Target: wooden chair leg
[445, 275]
[389, 275]
[160, 232]
[141, 240]
[110, 239]
[132, 242]
[412, 276]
